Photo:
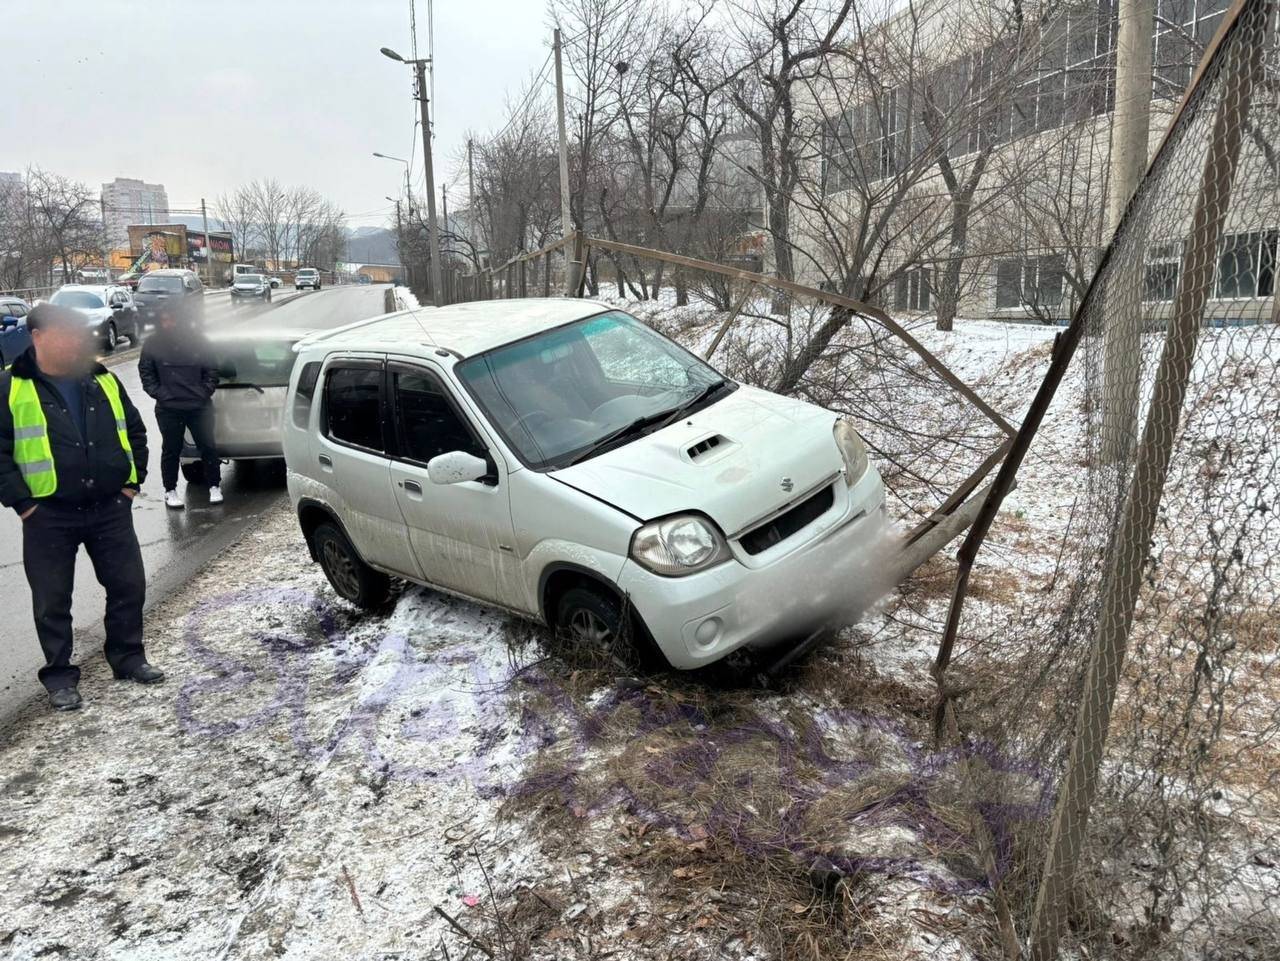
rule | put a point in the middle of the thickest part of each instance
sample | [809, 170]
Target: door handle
[326, 460]
[413, 487]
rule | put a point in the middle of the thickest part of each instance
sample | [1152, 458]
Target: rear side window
[307, 381]
[353, 406]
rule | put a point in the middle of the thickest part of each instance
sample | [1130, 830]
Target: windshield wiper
[636, 426]
[695, 400]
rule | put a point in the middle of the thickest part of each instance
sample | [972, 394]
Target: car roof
[281, 332]
[463, 329]
[91, 288]
[168, 272]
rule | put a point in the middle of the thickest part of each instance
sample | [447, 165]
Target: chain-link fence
[1142, 671]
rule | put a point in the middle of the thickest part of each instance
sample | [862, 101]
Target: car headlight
[853, 450]
[678, 545]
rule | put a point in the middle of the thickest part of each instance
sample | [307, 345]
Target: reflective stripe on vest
[111, 387]
[31, 450]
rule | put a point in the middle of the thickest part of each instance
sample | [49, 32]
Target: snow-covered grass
[315, 783]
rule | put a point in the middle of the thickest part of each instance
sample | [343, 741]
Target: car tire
[193, 471]
[350, 577]
[112, 339]
[596, 623]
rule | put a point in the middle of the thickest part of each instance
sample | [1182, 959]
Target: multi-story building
[126, 201]
[1011, 123]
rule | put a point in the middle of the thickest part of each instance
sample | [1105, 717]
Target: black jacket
[177, 369]
[87, 472]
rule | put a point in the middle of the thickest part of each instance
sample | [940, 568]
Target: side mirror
[117, 306]
[456, 467]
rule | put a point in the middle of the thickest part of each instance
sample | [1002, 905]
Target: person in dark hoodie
[177, 369]
[73, 455]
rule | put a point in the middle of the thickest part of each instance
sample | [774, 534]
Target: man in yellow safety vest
[73, 455]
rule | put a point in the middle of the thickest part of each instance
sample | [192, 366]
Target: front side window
[571, 392]
[353, 406]
[426, 420]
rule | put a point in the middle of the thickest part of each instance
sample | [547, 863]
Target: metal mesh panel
[1143, 671]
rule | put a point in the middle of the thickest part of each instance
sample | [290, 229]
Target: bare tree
[64, 212]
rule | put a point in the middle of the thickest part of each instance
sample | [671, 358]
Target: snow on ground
[314, 783]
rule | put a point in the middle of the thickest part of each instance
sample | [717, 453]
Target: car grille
[789, 523]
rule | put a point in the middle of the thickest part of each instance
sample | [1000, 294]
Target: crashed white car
[561, 460]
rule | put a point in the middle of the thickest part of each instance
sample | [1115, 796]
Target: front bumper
[819, 578]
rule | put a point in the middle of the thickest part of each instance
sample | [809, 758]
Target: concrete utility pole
[1130, 130]
[572, 268]
[433, 229]
[208, 246]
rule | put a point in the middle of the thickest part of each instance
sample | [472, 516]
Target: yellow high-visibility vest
[31, 450]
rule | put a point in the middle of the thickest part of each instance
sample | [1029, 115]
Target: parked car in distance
[250, 287]
[14, 337]
[108, 309]
[559, 459]
[172, 289]
[273, 281]
[306, 277]
[253, 375]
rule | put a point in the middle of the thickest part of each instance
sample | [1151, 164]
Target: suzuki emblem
[787, 485]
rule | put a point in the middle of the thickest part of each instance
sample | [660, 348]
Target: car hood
[737, 461]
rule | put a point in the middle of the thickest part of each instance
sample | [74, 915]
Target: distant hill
[372, 245]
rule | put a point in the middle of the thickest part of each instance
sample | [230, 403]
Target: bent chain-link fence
[1143, 667]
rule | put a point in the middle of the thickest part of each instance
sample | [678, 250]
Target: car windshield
[249, 279]
[559, 396]
[76, 299]
[262, 363]
[154, 284]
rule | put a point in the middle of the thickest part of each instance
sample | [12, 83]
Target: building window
[1247, 265]
[1034, 282]
[1183, 29]
[912, 290]
[1160, 281]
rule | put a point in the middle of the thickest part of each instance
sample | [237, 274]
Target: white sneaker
[171, 499]
[215, 495]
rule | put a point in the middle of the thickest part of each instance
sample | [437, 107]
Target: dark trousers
[51, 538]
[174, 425]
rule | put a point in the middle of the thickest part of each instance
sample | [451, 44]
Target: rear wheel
[352, 578]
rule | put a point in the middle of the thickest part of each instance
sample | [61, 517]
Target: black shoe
[144, 673]
[65, 699]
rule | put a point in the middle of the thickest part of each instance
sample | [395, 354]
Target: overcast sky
[203, 96]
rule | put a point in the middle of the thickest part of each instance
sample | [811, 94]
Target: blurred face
[64, 346]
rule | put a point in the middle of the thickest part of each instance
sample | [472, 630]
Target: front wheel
[351, 577]
[597, 624]
[112, 338]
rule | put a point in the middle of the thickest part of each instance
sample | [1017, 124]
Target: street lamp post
[433, 232]
[408, 191]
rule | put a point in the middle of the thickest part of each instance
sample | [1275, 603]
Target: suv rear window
[353, 406]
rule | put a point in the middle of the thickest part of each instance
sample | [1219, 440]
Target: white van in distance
[561, 460]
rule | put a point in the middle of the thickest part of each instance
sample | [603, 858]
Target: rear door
[352, 461]
[462, 535]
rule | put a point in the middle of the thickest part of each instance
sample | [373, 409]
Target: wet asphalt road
[175, 544]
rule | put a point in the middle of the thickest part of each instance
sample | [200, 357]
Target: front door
[461, 534]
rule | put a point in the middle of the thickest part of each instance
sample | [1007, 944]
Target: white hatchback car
[561, 460]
